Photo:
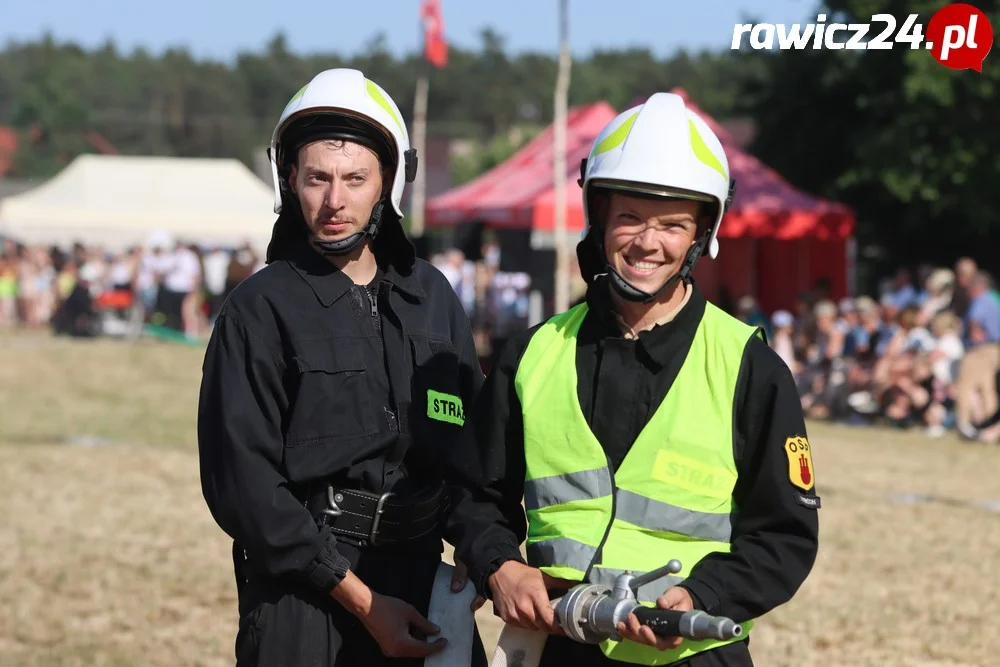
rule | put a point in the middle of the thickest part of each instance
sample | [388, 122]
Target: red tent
[506, 196]
[775, 241]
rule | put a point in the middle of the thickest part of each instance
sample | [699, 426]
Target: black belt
[373, 518]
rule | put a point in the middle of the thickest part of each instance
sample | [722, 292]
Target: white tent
[117, 201]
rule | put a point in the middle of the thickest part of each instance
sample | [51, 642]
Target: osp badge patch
[800, 464]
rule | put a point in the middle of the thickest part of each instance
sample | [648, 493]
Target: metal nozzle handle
[694, 625]
[673, 567]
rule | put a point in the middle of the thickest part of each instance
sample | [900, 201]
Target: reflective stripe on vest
[670, 498]
[631, 507]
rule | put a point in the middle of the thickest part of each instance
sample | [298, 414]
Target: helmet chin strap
[348, 245]
[630, 292]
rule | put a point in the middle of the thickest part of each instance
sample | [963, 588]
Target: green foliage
[912, 145]
[173, 104]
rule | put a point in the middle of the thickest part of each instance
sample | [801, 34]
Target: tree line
[913, 146]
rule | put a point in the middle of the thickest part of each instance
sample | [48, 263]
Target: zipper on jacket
[390, 414]
[373, 303]
[373, 300]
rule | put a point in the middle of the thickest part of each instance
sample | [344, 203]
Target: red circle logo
[959, 36]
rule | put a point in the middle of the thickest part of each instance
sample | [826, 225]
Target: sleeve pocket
[437, 382]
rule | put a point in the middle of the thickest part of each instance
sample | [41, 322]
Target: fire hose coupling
[590, 613]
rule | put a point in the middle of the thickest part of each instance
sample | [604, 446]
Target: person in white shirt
[146, 284]
[944, 360]
[154, 263]
[216, 266]
[122, 272]
[182, 288]
[461, 274]
[184, 274]
[948, 347]
[783, 325]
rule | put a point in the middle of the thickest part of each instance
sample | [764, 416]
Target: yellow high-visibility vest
[672, 496]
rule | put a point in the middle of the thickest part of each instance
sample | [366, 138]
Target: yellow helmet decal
[616, 138]
[302, 91]
[702, 151]
[376, 95]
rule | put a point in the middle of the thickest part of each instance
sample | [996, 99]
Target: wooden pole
[559, 171]
[419, 143]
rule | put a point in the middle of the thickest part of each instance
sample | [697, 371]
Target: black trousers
[286, 626]
[169, 305]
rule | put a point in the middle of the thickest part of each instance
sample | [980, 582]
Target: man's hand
[675, 598]
[390, 622]
[520, 598]
[459, 579]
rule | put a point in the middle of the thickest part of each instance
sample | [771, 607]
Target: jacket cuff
[328, 569]
[705, 599]
[480, 574]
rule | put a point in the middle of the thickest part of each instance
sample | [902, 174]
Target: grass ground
[108, 555]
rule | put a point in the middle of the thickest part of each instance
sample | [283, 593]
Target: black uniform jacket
[308, 379]
[621, 383]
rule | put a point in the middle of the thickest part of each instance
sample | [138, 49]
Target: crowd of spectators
[164, 282]
[496, 301]
[924, 353]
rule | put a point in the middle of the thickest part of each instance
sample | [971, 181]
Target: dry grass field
[108, 555]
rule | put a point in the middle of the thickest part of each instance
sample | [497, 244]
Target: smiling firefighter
[644, 424]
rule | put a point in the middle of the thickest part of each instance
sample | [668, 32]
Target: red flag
[435, 46]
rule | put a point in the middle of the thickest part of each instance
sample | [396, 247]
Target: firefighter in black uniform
[335, 381]
[644, 424]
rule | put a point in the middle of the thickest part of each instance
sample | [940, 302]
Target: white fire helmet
[347, 96]
[663, 148]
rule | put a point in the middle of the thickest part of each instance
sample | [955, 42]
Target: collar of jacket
[329, 283]
[660, 342]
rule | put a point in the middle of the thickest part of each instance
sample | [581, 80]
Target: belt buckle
[379, 508]
[332, 498]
